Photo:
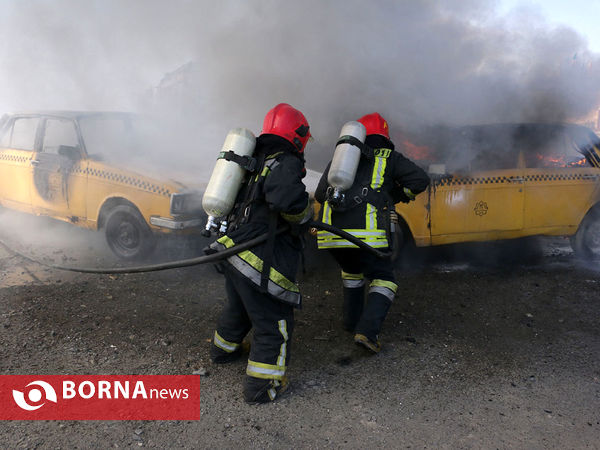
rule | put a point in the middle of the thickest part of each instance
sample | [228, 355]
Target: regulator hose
[217, 255]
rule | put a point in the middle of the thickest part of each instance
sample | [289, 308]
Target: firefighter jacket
[383, 178]
[273, 195]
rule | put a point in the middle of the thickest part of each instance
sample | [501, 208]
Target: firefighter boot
[370, 323]
[223, 352]
[257, 390]
[352, 308]
[354, 299]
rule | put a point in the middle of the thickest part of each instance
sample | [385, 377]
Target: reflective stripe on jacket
[250, 265]
[373, 231]
[378, 178]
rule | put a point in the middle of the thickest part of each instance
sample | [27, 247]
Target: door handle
[34, 162]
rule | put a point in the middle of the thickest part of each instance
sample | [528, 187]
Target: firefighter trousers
[358, 265]
[272, 320]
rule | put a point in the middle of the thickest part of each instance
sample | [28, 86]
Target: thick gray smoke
[417, 63]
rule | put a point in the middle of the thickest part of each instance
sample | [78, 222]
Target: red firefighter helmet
[375, 124]
[287, 122]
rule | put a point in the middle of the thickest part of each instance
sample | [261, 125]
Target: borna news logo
[98, 397]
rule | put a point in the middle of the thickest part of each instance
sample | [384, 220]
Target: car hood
[175, 181]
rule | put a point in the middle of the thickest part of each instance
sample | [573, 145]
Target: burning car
[505, 181]
[70, 166]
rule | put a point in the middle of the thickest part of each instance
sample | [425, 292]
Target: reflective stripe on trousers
[271, 371]
[224, 345]
[353, 280]
[384, 287]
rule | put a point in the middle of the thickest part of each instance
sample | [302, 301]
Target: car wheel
[586, 241]
[127, 234]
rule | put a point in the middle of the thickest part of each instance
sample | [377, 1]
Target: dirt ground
[486, 346]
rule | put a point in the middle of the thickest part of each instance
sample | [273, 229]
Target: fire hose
[223, 254]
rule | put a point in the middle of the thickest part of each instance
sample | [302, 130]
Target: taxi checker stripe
[477, 180]
[14, 158]
[125, 179]
[225, 345]
[496, 180]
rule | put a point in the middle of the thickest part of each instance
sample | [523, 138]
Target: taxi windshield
[498, 146]
[115, 137]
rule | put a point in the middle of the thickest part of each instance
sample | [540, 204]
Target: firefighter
[383, 178]
[260, 282]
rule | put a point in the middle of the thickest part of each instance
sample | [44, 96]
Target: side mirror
[69, 152]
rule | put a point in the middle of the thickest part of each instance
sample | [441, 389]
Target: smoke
[417, 63]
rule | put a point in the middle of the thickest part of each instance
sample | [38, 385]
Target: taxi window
[59, 132]
[21, 135]
[554, 148]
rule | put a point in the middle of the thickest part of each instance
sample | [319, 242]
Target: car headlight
[185, 203]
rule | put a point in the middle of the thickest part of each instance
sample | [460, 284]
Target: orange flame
[417, 152]
[559, 161]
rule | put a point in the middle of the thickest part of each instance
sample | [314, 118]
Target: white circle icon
[34, 396]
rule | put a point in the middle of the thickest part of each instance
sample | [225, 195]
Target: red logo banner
[99, 397]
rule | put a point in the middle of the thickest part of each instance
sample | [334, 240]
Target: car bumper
[175, 224]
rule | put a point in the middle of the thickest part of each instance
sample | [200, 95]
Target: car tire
[586, 242]
[128, 234]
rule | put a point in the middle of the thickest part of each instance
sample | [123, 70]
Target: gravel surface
[487, 346]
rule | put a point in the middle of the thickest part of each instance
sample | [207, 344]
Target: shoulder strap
[248, 195]
[247, 162]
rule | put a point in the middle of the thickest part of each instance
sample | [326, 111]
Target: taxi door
[59, 176]
[482, 205]
[17, 145]
[559, 186]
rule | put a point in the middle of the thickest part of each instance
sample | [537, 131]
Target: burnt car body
[70, 166]
[505, 181]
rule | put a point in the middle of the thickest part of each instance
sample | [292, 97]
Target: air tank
[346, 158]
[227, 176]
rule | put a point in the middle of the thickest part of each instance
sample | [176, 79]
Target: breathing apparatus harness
[360, 192]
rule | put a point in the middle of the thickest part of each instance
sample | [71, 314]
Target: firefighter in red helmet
[260, 282]
[383, 178]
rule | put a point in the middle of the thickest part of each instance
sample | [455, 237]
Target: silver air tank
[226, 179]
[345, 159]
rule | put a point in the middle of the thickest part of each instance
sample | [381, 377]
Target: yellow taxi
[69, 166]
[505, 181]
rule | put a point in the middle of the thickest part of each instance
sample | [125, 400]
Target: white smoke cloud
[417, 63]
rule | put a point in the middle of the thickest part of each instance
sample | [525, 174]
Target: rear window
[20, 134]
[507, 146]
